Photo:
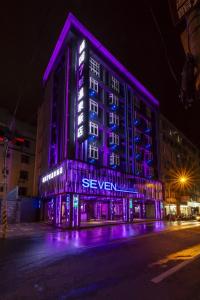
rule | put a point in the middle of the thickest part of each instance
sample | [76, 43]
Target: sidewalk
[27, 229]
[32, 229]
[94, 223]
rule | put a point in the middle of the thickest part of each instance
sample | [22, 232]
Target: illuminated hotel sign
[105, 185]
[53, 174]
[82, 92]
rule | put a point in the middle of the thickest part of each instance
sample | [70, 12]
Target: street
[155, 260]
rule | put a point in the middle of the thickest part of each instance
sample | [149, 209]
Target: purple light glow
[71, 182]
[72, 21]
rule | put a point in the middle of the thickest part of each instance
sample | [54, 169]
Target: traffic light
[14, 137]
[5, 133]
[18, 139]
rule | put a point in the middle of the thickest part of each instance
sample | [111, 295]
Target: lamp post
[181, 180]
[4, 202]
[169, 197]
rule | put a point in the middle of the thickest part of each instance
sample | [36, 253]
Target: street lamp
[183, 179]
[180, 180]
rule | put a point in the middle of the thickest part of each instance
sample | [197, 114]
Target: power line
[164, 45]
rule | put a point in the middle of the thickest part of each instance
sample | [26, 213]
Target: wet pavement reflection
[53, 245]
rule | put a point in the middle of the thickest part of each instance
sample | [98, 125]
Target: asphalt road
[130, 261]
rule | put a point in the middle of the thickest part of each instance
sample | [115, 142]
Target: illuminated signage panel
[105, 185]
[82, 91]
[52, 174]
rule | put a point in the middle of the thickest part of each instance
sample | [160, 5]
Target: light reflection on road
[54, 245]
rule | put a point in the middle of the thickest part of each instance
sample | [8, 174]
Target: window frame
[114, 159]
[113, 138]
[115, 84]
[113, 99]
[93, 106]
[93, 128]
[93, 84]
[93, 152]
[94, 66]
[113, 118]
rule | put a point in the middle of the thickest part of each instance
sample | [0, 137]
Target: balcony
[138, 156]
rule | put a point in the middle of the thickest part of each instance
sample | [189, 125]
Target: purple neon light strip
[66, 103]
[71, 20]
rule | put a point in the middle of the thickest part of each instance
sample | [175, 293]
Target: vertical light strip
[67, 103]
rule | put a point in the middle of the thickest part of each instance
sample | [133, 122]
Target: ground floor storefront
[76, 193]
[190, 208]
[71, 210]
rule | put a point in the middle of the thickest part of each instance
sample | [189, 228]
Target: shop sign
[105, 185]
[193, 204]
[82, 90]
[52, 174]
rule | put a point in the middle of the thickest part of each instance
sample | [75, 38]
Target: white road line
[171, 271]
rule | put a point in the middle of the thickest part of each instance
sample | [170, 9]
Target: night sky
[29, 31]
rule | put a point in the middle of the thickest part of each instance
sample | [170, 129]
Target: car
[197, 217]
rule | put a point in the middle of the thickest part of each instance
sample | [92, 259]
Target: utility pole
[7, 136]
[4, 202]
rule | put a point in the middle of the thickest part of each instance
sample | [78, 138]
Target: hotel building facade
[97, 138]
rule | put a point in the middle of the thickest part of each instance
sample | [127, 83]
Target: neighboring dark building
[179, 157]
[20, 165]
[97, 139]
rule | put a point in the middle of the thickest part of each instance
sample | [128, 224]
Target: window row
[94, 154]
[93, 127]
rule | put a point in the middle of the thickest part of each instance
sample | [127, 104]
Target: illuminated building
[178, 155]
[97, 140]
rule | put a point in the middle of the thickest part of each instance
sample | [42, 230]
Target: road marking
[187, 255]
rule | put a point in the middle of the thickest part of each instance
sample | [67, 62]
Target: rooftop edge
[71, 20]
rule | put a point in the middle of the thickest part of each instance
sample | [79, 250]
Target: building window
[80, 94]
[22, 191]
[93, 152]
[113, 138]
[115, 84]
[94, 67]
[81, 58]
[27, 144]
[80, 118]
[113, 99]
[80, 106]
[93, 106]
[137, 103]
[82, 46]
[1, 189]
[25, 159]
[93, 129]
[148, 112]
[113, 119]
[114, 159]
[149, 172]
[23, 175]
[139, 169]
[94, 84]
[80, 131]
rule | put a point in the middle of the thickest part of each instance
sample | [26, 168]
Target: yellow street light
[183, 179]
